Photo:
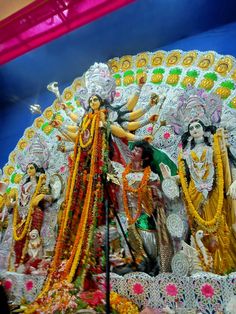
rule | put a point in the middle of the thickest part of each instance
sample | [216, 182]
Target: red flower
[93, 298]
[166, 135]
[138, 288]
[8, 284]
[207, 290]
[171, 290]
[29, 285]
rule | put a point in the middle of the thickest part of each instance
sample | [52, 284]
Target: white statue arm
[232, 188]
[170, 184]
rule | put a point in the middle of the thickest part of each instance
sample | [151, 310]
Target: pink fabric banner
[45, 20]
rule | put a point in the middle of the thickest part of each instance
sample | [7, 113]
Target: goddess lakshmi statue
[207, 176]
[28, 212]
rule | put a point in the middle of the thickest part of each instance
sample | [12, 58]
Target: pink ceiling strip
[45, 20]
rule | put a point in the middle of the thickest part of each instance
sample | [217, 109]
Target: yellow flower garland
[82, 225]
[29, 215]
[85, 124]
[210, 225]
[69, 193]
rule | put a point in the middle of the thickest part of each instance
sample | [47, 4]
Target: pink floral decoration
[150, 129]
[180, 145]
[62, 169]
[29, 285]
[8, 284]
[117, 94]
[166, 135]
[138, 288]
[207, 290]
[93, 298]
[171, 290]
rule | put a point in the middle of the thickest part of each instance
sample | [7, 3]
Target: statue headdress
[194, 104]
[37, 152]
[97, 80]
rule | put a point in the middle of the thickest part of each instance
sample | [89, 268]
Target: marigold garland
[68, 200]
[85, 124]
[213, 224]
[76, 250]
[138, 190]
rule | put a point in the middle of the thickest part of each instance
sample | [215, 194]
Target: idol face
[31, 171]
[94, 102]
[137, 154]
[196, 129]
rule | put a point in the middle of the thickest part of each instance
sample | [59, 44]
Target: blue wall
[14, 112]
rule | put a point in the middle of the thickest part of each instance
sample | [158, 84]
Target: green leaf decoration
[158, 70]
[129, 73]
[140, 71]
[183, 85]
[117, 76]
[211, 75]
[193, 73]
[228, 84]
[8, 190]
[231, 105]
[176, 71]
[44, 126]
[13, 177]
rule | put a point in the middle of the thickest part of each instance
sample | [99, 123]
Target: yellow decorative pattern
[234, 75]
[189, 58]
[48, 113]
[56, 105]
[22, 144]
[39, 122]
[206, 61]
[142, 60]
[157, 59]
[67, 94]
[224, 66]
[233, 102]
[29, 133]
[114, 65]
[173, 58]
[126, 63]
[76, 84]
[12, 157]
[223, 92]
[8, 170]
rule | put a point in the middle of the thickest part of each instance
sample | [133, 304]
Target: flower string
[213, 224]
[139, 190]
[17, 234]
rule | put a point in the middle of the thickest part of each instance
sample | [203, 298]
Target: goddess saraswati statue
[207, 175]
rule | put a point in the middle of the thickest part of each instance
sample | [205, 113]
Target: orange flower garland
[138, 191]
[76, 250]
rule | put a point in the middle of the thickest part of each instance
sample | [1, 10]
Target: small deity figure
[28, 212]
[141, 203]
[35, 248]
[205, 176]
